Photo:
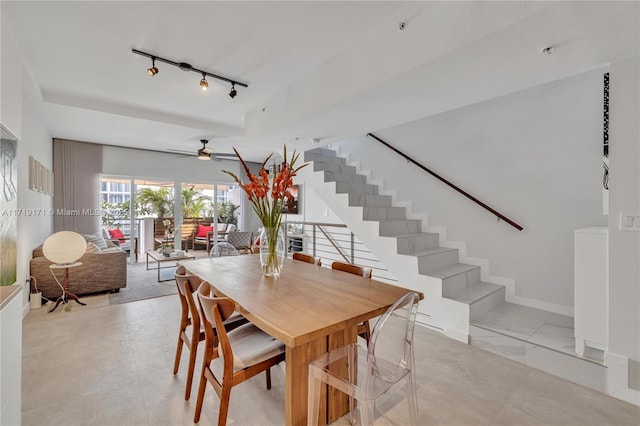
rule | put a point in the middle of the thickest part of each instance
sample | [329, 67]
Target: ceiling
[315, 70]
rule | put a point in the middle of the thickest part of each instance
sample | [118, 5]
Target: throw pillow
[97, 240]
[116, 234]
[92, 248]
[203, 230]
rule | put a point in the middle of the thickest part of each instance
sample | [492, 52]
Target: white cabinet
[591, 288]
[11, 354]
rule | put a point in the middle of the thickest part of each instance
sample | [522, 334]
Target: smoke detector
[547, 50]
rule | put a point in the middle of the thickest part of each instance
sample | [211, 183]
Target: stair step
[383, 213]
[413, 243]
[326, 152]
[393, 228]
[333, 167]
[310, 156]
[369, 200]
[331, 176]
[457, 277]
[540, 339]
[356, 188]
[476, 292]
[435, 258]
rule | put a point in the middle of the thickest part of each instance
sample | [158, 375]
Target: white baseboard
[538, 304]
[631, 396]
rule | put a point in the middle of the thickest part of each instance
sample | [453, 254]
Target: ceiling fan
[206, 153]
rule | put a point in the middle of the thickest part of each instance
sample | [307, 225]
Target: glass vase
[272, 251]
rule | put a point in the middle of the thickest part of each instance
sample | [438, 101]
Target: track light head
[204, 85]
[184, 66]
[153, 70]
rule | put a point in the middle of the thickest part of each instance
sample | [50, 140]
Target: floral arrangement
[267, 196]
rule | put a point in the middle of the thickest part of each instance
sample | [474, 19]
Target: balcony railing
[333, 242]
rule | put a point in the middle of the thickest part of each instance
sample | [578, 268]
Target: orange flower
[268, 209]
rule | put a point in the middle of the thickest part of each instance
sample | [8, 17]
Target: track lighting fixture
[204, 84]
[153, 70]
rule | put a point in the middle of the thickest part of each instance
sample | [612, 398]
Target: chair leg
[366, 412]
[225, 395]
[201, 389]
[413, 399]
[192, 364]
[313, 403]
[268, 374]
[176, 362]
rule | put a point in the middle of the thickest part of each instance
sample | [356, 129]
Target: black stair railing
[446, 182]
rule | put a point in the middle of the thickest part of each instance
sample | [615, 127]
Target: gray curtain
[76, 168]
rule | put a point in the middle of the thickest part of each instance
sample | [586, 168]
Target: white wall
[35, 228]
[11, 81]
[19, 113]
[533, 155]
[624, 195]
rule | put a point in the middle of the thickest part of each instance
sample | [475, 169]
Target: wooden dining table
[309, 308]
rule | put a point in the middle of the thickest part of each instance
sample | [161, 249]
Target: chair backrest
[186, 282]
[223, 249]
[187, 285]
[188, 230]
[352, 269]
[307, 258]
[240, 239]
[230, 228]
[215, 310]
[390, 351]
[224, 305]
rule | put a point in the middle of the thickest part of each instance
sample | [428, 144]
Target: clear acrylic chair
[369, 376]
[223, 249]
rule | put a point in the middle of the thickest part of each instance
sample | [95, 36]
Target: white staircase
[454, 292]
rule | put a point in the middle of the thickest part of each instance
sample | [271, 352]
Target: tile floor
[112, 365]
[543, 328]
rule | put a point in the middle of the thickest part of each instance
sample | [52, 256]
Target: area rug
[143, 284]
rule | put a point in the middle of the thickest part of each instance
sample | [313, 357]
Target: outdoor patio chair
[241, 240]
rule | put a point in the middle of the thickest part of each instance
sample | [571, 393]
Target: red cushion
[203, 230]
[116, 234]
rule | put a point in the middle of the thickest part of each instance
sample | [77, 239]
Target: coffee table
[162, 258]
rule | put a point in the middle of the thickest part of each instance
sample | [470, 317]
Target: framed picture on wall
[8, 202]
[291, 205]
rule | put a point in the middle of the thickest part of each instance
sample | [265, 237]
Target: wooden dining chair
[189, 316]
[246, 351]
[307, 258]
[363, 328]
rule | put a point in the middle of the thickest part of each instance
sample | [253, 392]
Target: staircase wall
[534, 155]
